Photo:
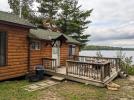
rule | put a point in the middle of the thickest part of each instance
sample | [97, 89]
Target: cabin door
[56, 52]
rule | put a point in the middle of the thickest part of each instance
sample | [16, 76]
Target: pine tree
[64, 21]
[73, 21]
[66, 14]
[49, 10]
[82, 23]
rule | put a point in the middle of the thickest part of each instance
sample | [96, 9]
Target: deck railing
[49, 64]
[97, 68]
[114, 62]
[88, 70]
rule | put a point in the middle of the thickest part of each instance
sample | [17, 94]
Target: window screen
[2, 48]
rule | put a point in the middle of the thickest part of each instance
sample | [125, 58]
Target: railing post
[102, 73]
[67, 68]
[55, 65]
[109, 69]
[117, 64]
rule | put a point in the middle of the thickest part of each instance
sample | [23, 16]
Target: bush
[126, 63]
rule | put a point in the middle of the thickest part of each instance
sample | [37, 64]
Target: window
[35, 45]
[71, 50]
[2, 48]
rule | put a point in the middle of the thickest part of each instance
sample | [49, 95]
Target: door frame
[57, 46]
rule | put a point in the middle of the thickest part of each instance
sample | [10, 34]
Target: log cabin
[23, 46]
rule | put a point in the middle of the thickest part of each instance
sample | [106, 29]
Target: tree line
[93, 47]
[65, 16]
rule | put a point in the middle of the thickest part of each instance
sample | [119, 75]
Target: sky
[112, 21]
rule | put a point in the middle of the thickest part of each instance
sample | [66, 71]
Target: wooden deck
[89, 70]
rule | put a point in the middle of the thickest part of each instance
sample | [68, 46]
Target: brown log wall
[37, 55]
[17, 53]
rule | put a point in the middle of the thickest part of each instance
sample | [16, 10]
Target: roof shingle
[12, 18]
[49, 35]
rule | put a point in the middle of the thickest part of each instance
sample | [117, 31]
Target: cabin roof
[49, 35]
[14, 19]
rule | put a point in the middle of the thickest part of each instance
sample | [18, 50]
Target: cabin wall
[77, 50]
[64, 53]
[46, 51]
[37, 55]
[17, 52]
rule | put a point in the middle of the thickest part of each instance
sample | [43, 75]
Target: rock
[113, 89]
[131, 78]
[123, 99]
[65, 81]
[113, 86]
[86, 83]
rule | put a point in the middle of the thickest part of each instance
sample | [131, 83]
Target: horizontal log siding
[64, 53]
[37, 55]
[17, 49]
[46, 52]
[77, 50]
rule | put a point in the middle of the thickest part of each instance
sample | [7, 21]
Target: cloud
[105, 33]
[110, 9]
[116, 43]
[112, 21]
[4, 6]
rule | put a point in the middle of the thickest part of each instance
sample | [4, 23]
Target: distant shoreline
[94, 47]
[104, 49]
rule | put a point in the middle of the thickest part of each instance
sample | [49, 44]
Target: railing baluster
[49, 64]
[91, 68]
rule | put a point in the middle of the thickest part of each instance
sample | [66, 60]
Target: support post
[66, 68]
[102, 73]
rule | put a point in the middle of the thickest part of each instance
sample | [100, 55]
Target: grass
[12, 90]
[76, 91]
[131, 70]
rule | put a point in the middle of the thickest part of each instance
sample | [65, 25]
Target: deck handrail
[73, 56]
[89, 70]
[93, 63]
[49, 64]
[114, 62]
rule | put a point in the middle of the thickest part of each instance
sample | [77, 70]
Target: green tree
[25, 5]
[49, 10]
[73, 21]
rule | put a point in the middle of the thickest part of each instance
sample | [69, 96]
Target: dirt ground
[76, 91]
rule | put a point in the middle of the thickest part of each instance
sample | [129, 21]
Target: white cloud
[4, 6]
[112, 21]
[110, 9]
[123, 42]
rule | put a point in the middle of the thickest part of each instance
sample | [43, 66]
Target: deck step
[57, 78]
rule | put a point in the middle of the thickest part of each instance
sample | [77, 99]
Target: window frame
[6, 47]
[71, 47]
[35, 43]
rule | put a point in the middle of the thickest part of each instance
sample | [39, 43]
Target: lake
[107, 53]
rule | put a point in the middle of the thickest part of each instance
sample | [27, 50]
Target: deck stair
[98, 71]
[58, 78]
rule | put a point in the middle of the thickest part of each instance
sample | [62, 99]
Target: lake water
[107, 53]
